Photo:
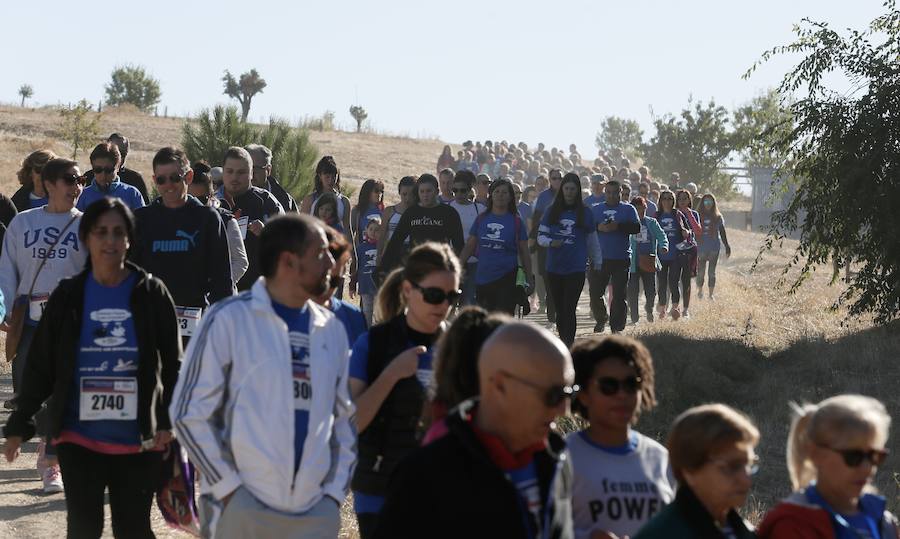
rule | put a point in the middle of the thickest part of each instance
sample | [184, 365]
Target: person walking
[106, 355]
[262, 405]
[712, 228]
[644, 261]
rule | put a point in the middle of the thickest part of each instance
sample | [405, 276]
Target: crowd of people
[211, 322]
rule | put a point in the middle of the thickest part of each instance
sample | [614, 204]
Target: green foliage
[359, 114]
[244, 89]
[26, 91]
[80, 125]
[695, 144]
[845, 160]
[215, 130]
[621, 133]
[759, 123]
[135, 86]
[325, 122]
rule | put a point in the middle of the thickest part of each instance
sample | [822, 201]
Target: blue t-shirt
[671, 225]
[709, 239]
[105, 380]
[351, 317]
[526, 482]
[544, 200]
[498, 252]
[364, 219]
[616, 245]
[127, 193]
[629, 447]
[525, 210]
[366, 253]
[644, 238]
[297, 321]
[571, 256]
[37, 202]
[652, 209]
[592, 200]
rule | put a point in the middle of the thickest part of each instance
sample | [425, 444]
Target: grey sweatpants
[245, 516]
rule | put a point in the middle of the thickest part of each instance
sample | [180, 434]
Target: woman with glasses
[500, 238]
[105, 163]
[712, 455]
[622, 478]
[371, 203]
[41, 248]
[391, 370]
[833, 452]
[568, 233]
[106, 355]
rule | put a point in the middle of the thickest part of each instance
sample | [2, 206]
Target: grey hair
[259, 150]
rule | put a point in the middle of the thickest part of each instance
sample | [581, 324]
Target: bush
[213, 131]
[132, 84]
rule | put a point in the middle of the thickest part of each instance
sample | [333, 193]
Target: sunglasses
[104, 170]
[610, 386]
[435, 296]
[174, 178]
[553, 395]
[855, 457]
[72, 179]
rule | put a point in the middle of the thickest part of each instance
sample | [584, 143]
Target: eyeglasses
[72, 179]
[435, 296]
[610, 386]
[174, 178]
[855, 457]
[733, 468]
[553, 395]
[104, 170]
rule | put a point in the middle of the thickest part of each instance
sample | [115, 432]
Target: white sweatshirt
[28, 240]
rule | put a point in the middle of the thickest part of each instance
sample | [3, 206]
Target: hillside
[755, 348]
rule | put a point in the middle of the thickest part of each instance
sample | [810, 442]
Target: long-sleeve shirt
[439, 223]
[254, 205]
[187, 248]
[28, 240]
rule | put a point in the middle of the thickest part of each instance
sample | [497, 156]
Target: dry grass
[756, 348]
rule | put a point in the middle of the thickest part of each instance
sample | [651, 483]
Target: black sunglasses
[610, 386]
[553, 395]
[855, 457]
[435, 296]
[72, 179]
[174, 178]
[104, 170]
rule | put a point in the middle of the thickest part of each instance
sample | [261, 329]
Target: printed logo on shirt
[110, 333]
[426, 221]
[124, 366]
[495, 230]
[184, 243]
[100, 368]
[371, 256]
[40, 240]
[635, 501]
[610, 215]
[567, 229]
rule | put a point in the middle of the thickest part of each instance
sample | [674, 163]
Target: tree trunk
[245, 109]
[358, 125]
[23, 101]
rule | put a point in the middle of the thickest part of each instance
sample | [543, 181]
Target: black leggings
[566, 291]
[132, 481]
[634, 283]
[499, 295]
[662, 282]
[680, 273]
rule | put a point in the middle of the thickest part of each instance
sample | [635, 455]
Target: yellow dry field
[756, 347]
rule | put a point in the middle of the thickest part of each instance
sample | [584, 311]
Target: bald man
[499, 472]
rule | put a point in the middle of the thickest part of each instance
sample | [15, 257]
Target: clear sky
[522, 70]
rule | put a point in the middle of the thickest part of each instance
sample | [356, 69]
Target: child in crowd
[361, 280]
[327, 211]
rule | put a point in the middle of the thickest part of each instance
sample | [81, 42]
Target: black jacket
[255, 204]
[186, 248]
[452, 489]
[284, 198]
[21, 199]
[131, 177]
[51, 361]
[686, 518]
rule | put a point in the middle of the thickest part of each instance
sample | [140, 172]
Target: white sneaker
[686, 314]
[41, 463]
[53, 482]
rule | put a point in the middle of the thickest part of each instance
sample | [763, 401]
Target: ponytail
[800, 468]
[389, 302]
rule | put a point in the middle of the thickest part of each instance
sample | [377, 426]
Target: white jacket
[233, 407]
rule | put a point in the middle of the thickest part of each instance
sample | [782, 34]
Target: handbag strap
[44, 260]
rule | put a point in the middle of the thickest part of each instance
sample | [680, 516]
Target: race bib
[188, 318]
[642, 237]
[426, 378]
[242, 224]
[36, 306]
[302, 388]
[108, 398]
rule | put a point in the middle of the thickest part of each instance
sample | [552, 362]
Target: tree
[695, 144]
[844, 160]
[213, 131]
[135, 86]
[26, 91]
[244, 89]
[80, 125]
[757, 125]
[620, 133]
[359, 114]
